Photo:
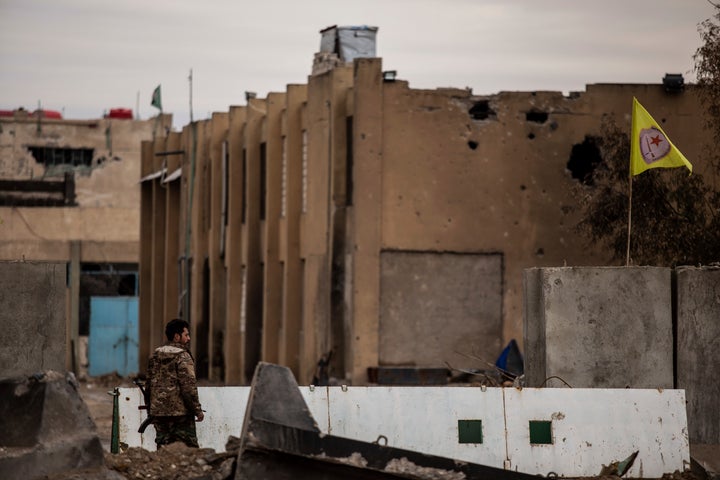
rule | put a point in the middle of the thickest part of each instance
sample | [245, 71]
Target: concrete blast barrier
[698, 350]
[32, 318]
[495, 427]
[45, 428]
[598, 327]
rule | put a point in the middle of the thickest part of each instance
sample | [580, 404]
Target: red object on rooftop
[7, 113]
[123, 113]
[47, 114]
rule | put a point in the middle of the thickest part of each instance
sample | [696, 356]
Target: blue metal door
[113, 342]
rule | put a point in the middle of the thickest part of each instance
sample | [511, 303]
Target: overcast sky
[83, 57]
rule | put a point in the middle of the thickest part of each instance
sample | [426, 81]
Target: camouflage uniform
[173, 395]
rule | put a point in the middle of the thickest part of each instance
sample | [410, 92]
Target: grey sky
[86, 56]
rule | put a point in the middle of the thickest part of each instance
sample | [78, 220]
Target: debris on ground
[175, 462]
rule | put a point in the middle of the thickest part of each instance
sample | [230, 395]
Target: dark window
[52, 156]
[263, 179]
[349, 161]
[104, 280]
[244, 185]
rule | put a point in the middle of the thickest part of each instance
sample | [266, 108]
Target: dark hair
[175, 326]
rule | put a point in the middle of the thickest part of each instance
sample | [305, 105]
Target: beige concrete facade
[345, 193]
[105, 218]
[96, 224]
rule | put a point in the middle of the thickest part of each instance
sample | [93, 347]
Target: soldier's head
[178, 331]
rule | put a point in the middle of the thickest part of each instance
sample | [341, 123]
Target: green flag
[156, 98]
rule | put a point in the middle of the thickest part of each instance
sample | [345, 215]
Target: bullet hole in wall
[531, 136]
[523, 187]
[584, 159]
[472, 144]
[540, 252]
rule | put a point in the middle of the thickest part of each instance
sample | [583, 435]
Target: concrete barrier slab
[592, 427]
[585, 428]
[598, 327]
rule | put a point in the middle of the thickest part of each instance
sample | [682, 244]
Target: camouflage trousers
[175, 429]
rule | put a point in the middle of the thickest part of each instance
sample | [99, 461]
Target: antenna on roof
[191, 110]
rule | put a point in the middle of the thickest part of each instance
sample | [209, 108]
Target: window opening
[349, 179]
[304, 170]
[263, 179]
[284, 179]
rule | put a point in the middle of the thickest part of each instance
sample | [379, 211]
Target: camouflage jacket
[171, 382]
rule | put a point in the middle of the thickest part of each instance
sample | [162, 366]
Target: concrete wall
[698, 349]
[589, 427]
[440, 308]
[32, 317]
[598, 327]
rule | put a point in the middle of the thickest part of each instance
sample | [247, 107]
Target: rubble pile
[174, 462]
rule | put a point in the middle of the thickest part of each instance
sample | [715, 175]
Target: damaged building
[69, 194]
[357, 222]
[357, 228]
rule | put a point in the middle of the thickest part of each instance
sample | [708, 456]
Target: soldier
[172, 389]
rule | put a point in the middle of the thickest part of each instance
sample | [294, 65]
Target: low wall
[584, 428]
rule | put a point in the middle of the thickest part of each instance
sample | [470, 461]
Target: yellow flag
[650, 147]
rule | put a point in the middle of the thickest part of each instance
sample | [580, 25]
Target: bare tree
[675, 216]
[707, 71]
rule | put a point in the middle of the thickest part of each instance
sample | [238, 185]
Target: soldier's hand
[200, 416]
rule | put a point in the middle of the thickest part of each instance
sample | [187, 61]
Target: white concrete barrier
[571, 432]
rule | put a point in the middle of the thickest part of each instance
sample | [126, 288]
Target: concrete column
[159, 200]
[315, 234]
[292, 274]
[74, 330]
[234, 335]
[365, 218]
[272, 292]
[199, 205]
[256, 112]
[173, 235]
[216, 320]
[145, 266]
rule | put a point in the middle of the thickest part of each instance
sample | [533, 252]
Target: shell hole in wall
[536, 116]
[584, 159]
[481, 110]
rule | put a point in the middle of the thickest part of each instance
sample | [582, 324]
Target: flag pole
[627, 255]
